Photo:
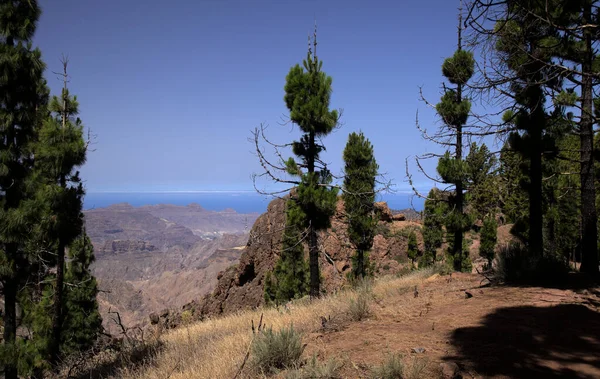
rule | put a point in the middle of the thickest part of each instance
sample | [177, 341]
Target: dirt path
[499, 332]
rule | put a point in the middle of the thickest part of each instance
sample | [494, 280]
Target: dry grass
[216, 348]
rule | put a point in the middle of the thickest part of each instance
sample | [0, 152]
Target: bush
[274, 351]
[359, 308]
[317, 370]
[515, 265]
[413, 247]
[391, 368]
[384, 230]
[416, 368]
[488, 240]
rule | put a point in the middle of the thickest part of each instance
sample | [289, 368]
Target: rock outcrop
[383, 211]
[241, 286]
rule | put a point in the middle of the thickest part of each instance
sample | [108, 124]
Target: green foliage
[517, 265]
[359, 308]
[512, 173]
[561, 199]
[317, 370]
[277, 350]
[451, 110]
[391, 368]
[290, 276]
[488, 239]
[307, 97]
[82, 323]
[531, 77]
[413, 247]
[359, 197]
[463, 256]
[483, 183]
[433, 222]
[23, 99]
[454, 111]
[36, 304]
[459, 68]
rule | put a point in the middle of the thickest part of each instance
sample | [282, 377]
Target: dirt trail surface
[498, 332]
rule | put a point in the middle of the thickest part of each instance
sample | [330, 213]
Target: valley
[152, 258]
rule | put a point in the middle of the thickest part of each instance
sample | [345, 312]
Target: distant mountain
[154, 257]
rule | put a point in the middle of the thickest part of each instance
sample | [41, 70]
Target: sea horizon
[216, 200]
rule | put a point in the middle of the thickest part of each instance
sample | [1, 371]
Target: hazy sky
[172, 89]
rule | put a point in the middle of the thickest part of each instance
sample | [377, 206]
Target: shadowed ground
[526, 342]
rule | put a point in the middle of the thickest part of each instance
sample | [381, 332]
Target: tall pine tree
[307, 96]
[454, 111]
[23, 94]
[359, 198]
[59, 151]
[519, 38]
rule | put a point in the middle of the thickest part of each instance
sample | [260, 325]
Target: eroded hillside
[156, 257]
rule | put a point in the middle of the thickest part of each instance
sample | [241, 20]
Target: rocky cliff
[241, 286]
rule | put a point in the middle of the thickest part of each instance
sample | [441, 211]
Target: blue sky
[173, 89]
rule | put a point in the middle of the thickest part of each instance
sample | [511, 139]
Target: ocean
[241, 202]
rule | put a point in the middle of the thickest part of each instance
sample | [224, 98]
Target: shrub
[403, 271]
[515, 265]
[317, 370]
[488, 240]
[359, 308]
[413, 247]
[416, 367]
[384, 230]
[391, 368]
[274, 351]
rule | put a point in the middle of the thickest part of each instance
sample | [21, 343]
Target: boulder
[450, 370]
[154, 318]
[383, 211]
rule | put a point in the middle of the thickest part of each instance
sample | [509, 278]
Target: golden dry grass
[216, 348]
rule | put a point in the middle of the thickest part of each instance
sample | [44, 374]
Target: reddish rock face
[241, 286]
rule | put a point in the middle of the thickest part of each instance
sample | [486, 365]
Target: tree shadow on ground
[561, 341]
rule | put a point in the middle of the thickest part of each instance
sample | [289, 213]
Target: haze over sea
[240, 201]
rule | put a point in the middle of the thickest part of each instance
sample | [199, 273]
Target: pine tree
[433, 223]
[454, 111]
[307, 95]
[552, 44]
[413, 248]
[488, 239]
[359, 197]
[514, 198]
[574, 42]
[82, 322]
[23, 94]
[290, 277]
[483, 190]
[520, 44]
[59, 151]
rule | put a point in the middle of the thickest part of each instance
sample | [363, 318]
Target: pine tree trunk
[360, 264]
[458, 234]
[313, 252]
[589, 233]
[58, 304]
[10, 316]
[313, 247]
[536, 238]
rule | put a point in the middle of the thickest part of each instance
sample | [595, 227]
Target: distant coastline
[240, 201]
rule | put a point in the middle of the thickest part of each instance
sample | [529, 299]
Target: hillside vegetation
[432, 324]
